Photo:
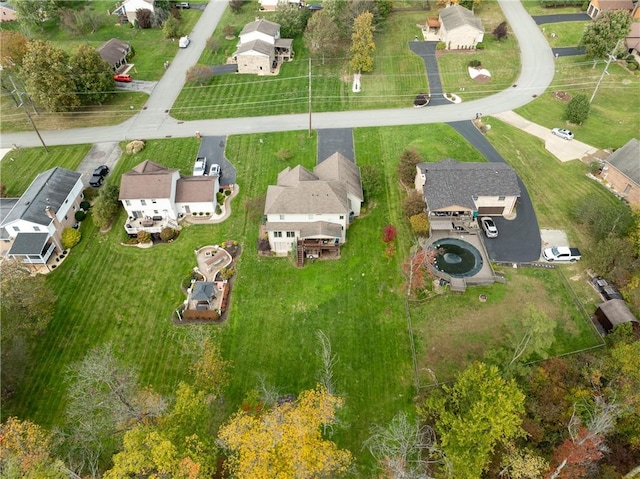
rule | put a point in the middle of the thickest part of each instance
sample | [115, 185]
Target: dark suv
[96, 181]
[98, 175]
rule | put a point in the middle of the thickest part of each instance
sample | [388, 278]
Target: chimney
[57, 235]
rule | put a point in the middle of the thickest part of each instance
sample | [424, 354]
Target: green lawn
[613, 118]
[566, 34]
[534, 8]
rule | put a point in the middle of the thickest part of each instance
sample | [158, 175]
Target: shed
[614, 312]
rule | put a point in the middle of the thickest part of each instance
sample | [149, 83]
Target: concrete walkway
[562, 149]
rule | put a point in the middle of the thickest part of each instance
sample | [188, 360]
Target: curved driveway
[537, 69]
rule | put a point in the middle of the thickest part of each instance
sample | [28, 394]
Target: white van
[184, 42]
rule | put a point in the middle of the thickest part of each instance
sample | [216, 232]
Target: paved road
[519, 238]
[154, 122]
[427, 51]
[561, 17]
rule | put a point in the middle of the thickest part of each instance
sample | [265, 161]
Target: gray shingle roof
[627, 160]
[6, 205]
[113, 50]
[196, 189]
[617, 311]
[203, 291]
[308, 230]
[339, 168]
[262, 26]
[259, 46]
[148, 180]
[455, 16]
[310, 197]
[292, 176]
[50, 188]
[29, 244]
[449, 182]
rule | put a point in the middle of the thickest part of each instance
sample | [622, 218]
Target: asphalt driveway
[561, 17]
[519, 239]
[331, 140]
[427, 51]
[213, 148]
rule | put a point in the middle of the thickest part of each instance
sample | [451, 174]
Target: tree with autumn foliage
[13, 46]
[362, 44]
[480, 412]
[25, 451]
[416, 269]
[409, 159]
[285, 441]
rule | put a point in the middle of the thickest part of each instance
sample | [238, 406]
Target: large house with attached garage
[621, 171]
[460, 29]
[311, 211]
[456, 193]
[261, 49]
[32, 225]
[155, 196]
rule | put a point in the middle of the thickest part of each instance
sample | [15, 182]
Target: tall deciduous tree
[362, 44]
[81, 21]
[409, 159]
[13, 46]
[211, 371]
[172, 28]
[535, 337]
[322, 36]
[235, 5]
[93, 76]
[34, 13]
[106, 206]
[48, 77]
[479, 412]
[292, 19]
[25, 451]
[285, 442]
[602, 35]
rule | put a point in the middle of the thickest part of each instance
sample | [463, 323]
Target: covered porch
[32, 248]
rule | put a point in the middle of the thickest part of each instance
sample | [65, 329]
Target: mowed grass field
[124, 295]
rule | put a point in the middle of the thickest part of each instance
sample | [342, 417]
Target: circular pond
[457, 258]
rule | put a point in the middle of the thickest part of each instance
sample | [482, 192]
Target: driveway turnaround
[100, 154]
[561, 17]
[518, 240]
[212, 147]
[427, 51]
[331, 140]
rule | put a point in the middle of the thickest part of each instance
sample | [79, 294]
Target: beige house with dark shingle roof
[597, 6]
[460, 29]
[622, 171]
[154, 196]
[313, 207]
[260, 48]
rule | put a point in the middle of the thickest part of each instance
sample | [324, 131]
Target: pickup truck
[200, 166]
[561, 253]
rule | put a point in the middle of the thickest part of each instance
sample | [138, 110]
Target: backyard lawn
[613, 117]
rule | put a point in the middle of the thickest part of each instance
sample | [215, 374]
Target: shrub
[501, 31]
[144, 237]
[226, 273]
[70, 238]
[441, 46]
[228, 31]
[220, 198]
[475, 63]
[218, 210]
[578, 109]
[135, 146]
[106, 206]
[284, 154]
[633, 66]
[223, 245]
[85, 205]
[167, 234]
[227, 192]
[389, 233]
[371, 181]
[420, 224]
[413, 204]
[407, 166]
[480, 46]
[80, 215]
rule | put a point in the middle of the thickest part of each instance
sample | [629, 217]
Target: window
[500, 198]
[143, 202]
[65, 217]
[153, 201]
[281, 217]
[36, 228]
[127, 202]
[341, 217]
[74, 207]
[291, 234]
[277, 234]
[15, 228]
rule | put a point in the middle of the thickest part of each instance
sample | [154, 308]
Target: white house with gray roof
[313, 209]
[33, 223]
[462, 191]
[261, 49]
[460, 29]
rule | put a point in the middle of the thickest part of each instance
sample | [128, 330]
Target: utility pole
[20, 103]
[609, 60]
[309, 97]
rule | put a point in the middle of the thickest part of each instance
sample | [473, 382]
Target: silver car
[489, 227]
[563, 133]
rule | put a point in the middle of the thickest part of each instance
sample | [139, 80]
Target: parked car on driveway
[122, 77]
[184, 5]
[96, 181]
[563, 133]
[102, 170]
[561, 253]
[489, 227]
[214, 170]
[200, 166]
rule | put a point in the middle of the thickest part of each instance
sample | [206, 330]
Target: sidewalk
[563, 150]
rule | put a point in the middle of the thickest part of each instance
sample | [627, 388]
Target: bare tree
[198, 73]
[329, 360]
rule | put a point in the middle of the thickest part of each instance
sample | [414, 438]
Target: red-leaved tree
[389, 233]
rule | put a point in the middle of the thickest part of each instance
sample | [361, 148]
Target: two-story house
[622, 171]
[260, 49]
[460, 29]
[311, 211]
[33, 223]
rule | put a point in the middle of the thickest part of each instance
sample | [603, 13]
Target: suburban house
[271, 5]
[460, 29]
[311, 211]
[33, 223]
[155, 196]
[129, 9]
[7, 13]
[632, 40]
[597, 6]
[457, 193]
[114, 52]
[622, 171]
[261, 49]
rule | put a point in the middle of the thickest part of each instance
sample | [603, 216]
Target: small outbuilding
[614, 312]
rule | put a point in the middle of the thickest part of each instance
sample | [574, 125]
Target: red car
[123, 77]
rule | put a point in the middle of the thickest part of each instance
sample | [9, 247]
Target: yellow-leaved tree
[286, 441]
